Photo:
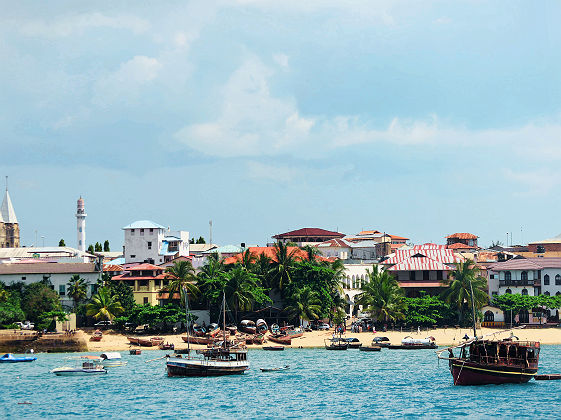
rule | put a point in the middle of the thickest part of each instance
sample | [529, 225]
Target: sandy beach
[444, 337]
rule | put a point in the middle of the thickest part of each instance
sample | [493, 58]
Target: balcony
[504, 283]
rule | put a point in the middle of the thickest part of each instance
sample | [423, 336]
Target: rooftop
[462, 235]
[521, 263]
[226, 249]
[47, 268]
[554, 240]
[309, 232]
[144, 224]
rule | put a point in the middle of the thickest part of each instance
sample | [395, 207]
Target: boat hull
[370, 348]
[286, 340]
[79, 372]
[202, 368]
[471, 373]
[412, 346]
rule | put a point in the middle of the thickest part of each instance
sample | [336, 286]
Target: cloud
[125, 82]
[281, 60]
[78, 23]
[444, 20]
[539, 182]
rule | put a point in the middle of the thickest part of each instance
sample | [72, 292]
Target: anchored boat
[10, 358]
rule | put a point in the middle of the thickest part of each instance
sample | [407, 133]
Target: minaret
[81, 228]
[9, 235]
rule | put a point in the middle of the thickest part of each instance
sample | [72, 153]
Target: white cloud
[78, 23]
[444, 20]
[125, 82]
[281, 60]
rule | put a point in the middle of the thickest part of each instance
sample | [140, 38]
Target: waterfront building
[62, 254]
[57, 274]
[467, 239]
[9, 226]
[146, 241]
[146, 281]
[307, 236]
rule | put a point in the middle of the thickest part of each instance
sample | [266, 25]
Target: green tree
[382, 297]
[182, 277]
[312, 252]
[38, 298]
[47, 320]
[201, 240]
[122, 293]
[427, 310]
[262, 267]
[77, 289]
[209, 280]
[10, 308]
[247, 260]
[104, 306]
[458, 289]
[61, 243]
[305, 304]
[91, 249]
[98, 247]
[281, 268]
[242, 290]
[106, 246]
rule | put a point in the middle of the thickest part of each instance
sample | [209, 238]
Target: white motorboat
[86, 368]
[112, 359]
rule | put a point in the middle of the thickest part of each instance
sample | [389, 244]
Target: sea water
[319, 384]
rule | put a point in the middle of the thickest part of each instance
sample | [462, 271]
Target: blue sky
[417, 118]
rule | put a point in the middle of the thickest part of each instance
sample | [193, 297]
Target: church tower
[9, 227]
[81, 227]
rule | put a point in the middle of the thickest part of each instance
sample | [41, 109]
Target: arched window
[523, 316]
[508, 276]
[489, 316]
[524, 292]
[354, 282]
[558, 294]
[508, 292]
[546, 293]
[546, 280]
[524, 276]
[557, 280]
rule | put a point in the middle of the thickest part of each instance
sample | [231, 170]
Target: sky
[417, 118]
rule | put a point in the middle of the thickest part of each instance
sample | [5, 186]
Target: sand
[112, 341]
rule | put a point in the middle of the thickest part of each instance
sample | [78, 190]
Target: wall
[137, 244]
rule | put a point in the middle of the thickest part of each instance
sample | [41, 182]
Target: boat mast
[187, 317]
[473, 310]
[224, 317]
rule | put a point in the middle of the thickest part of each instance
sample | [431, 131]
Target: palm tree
[282, 267]
[209, 279]
[182, 278]
[77, 289]
[458, 289]
[247, 260]
[305, 304]
[382, 296]
[104, 306]
[242, 289]
[312, 252]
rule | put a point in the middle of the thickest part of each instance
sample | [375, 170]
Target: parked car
[321, 326]
[26, 325]
[103, 324]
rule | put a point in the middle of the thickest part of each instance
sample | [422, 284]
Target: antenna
[210, 228]
[6, 182]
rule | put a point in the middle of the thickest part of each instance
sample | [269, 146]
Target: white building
[58, 274]
[146, 241]
[64, 254]
[356, 277]
[81, 224]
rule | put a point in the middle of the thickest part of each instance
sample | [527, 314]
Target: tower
[81, 224]
[9, 227]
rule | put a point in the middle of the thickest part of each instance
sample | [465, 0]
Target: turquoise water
[319, 384]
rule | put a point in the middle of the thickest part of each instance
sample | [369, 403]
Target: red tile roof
[526, 264]
[309, 232]
[398, 237]
[269, 251]
[144, 266]
[112, 267]
[419, 264]
[459, 245]
[463, 235]
[128, 276]
[368, 232]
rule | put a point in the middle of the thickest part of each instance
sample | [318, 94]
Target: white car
[26, 325]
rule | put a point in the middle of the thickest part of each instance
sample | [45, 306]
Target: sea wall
[23, 341]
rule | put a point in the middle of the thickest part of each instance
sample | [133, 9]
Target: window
[141, 232]
[145, 300]
[151, 230]
[524, 292]
[524, 276]
[80, 229]
[24, 278]
[491, 276]
[149, 245]
[157, 282]
[508, 276]
[546, 280]
[439, 275]
[546, 293]
[540, 249]
[143, 283]
[62, 290]
[489, 316]
[133, 256]
[132, 232]
[412, 275]
[508, 292]
[557, 280]
[80, 242]
[425, 275]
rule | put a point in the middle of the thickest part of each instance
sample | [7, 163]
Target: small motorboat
[336, 343]
[112, 359]
[146, 342]
[87, 368]
[273, 348]
[410, 343]
[248, 326]
[135, 352]
[167, 346]
[276, 369]
[96, 336]
[354, 343]
[281, 339]
[370, 348]
[381, 341]
[10, 358]
[261, 326]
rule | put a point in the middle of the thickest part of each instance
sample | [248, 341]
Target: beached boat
[410, 343]
[276, 369]
[381, 341]
[10, 358]
[370, 348]
[336, 343]
[228, 359]
[482, 362]
[167, 346]
[213, 330]
[96, 336]
[280, 339]
[146, 342]
[88, 368]
[199, 340]
[199, 330]
[232, 329]
[354, 343]
[273, 348]
[261, 326]
[248, 326]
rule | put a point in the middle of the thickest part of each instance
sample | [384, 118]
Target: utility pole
[210, 228]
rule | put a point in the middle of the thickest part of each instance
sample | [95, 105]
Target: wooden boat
[146, 342]
[10, 358]
[167, 346]
[87, 368]
[135, 352]
[182, 351]
[228, 359]
[199, 330]
[96, 336]
[276, 369]
[248, 326]
[370, 348]
[261, 326]
[273, 348]
[381, 341]
[199, 340]
[336, 343]
[213, 330]
[232, 329]
[281, 339]
[482, 362]
[354, 343]
[410, 343]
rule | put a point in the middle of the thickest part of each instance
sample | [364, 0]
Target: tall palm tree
[281, 270]
[458, 289]
[382, 296]
[312, 252]
[242, 289]
[247, 260]
[77, 289]
[104, 306]
[209, 279]
[182, 278]
[305, 304]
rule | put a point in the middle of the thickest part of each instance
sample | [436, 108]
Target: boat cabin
[505, 352]
[224, 354]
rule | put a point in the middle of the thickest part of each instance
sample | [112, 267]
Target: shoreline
[445, 337]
